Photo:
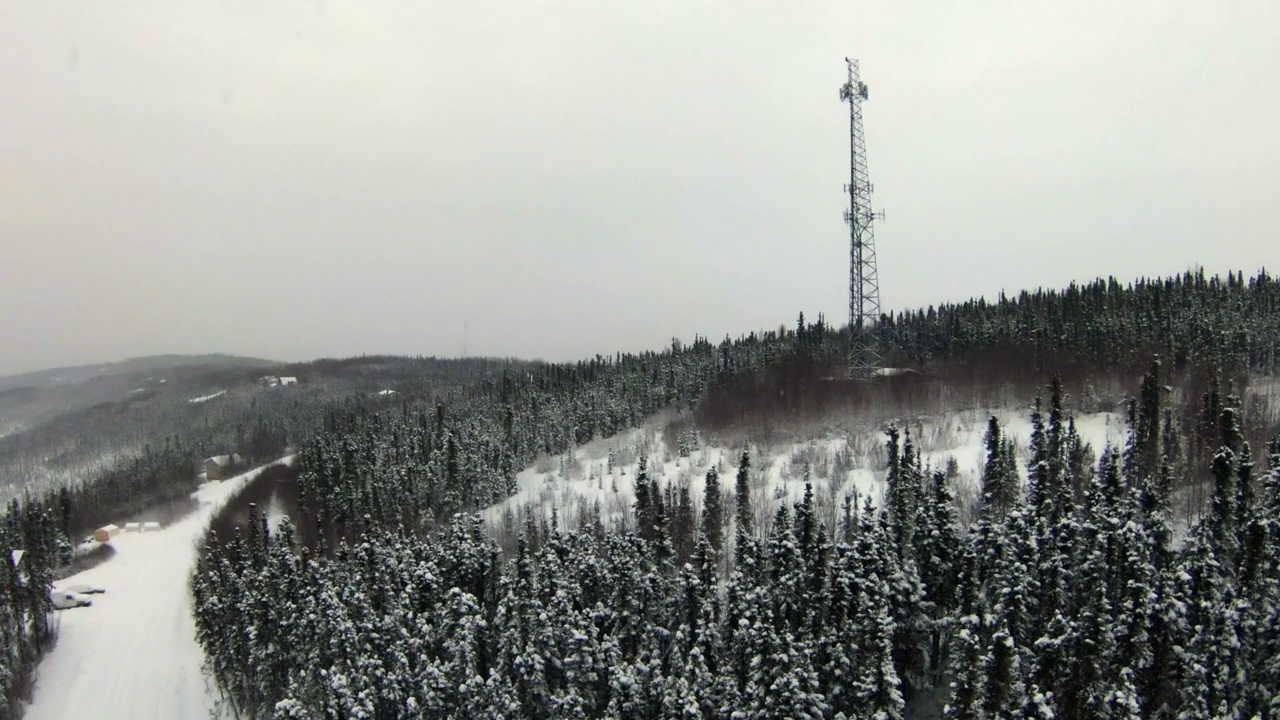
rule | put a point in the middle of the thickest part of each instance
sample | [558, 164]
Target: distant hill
[77, 423]
[72, 375]
[31, 398]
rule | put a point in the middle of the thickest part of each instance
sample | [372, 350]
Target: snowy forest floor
[841, 460]
[133, 654]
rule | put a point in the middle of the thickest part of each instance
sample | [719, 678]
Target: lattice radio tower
[864, 282]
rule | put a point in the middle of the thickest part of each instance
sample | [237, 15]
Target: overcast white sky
[298, 179]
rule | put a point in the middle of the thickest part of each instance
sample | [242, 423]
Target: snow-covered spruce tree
[1004, 693]
[938, 551]
[999, 476]
[1142, 454]
[521, 617]
[968, 668]
[1137, 595]
[877, 686]
[835, 645]
[746, 551]
[742, 495]
[1213, 679]
[644, 505]
[712, 520]
[903, 490]
[683, 526]
[1083, 689]
[1013, 591]
[1223, 514]
[786, 577]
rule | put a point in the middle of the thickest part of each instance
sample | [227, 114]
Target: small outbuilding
[150, 526]
[221, 467]
[106, 532]
[132, 527]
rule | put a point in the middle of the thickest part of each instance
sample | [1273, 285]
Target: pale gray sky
[299, 179]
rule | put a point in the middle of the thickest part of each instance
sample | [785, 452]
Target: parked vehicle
[64, 600]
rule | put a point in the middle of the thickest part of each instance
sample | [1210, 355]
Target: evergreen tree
[968, 665]
[999, 476]
[742, 496]
[1143, 452]
[683, 530]
[646, 510]
[1004, 693]
[712, 521]
[744, 540]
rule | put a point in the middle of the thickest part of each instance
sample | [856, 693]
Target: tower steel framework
[864, 282]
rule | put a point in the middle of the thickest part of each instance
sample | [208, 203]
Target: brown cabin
[105, 533]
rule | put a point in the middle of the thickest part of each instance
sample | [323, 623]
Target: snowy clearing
[133, 653]
[205, 398]
[840, 463]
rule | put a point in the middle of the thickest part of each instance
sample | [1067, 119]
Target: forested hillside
[113, 460]
[117, 458]
[31, 399]
[203, 409]
[1193, 321]
[1070, 597]
[1067, 599]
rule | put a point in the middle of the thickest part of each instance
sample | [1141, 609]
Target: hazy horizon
[535, 358]
[332, 178]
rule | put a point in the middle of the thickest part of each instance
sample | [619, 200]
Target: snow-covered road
[133, 654]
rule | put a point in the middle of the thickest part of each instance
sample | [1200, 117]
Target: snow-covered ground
[205, 398]
[841, 462]
[133, 654]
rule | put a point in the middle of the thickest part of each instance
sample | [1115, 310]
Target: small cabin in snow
[150, 526]
[106, 532]
[132, 527]
[285, 380]
[220, 467]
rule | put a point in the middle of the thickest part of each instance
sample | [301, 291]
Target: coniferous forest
[1074, 594]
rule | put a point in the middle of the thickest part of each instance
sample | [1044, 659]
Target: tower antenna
[864, 281]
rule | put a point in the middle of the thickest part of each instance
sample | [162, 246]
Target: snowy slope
[133, 654]
[577, 481]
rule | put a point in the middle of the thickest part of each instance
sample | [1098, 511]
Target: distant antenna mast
[864, 282]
